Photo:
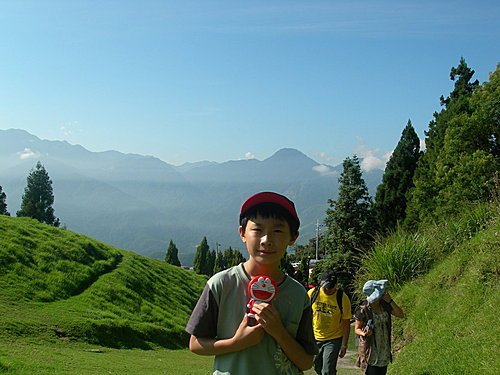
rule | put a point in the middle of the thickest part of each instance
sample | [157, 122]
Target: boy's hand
[342, 352]
[246, 335]
[269, 318]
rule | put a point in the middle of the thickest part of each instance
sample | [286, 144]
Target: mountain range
[140, 203]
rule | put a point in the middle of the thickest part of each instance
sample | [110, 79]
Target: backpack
[339, 298]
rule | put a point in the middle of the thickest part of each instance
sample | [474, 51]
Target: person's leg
[318, 359]
[330, 356]
[375, 370]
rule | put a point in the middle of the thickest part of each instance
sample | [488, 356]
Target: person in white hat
[373, 327]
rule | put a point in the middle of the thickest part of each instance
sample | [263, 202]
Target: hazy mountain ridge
[140, 202]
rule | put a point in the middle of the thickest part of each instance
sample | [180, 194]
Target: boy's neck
[257, 269]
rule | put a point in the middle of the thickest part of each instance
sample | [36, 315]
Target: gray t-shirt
[221, 308]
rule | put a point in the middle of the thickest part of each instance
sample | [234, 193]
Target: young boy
[282, 341]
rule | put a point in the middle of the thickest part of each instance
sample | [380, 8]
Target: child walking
[282, 340]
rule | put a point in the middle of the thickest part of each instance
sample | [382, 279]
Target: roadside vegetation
[447, 279]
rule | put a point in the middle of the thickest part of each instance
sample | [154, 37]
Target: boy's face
[266, 239]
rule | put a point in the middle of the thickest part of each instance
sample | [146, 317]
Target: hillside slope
[452, 312]
[55, 284]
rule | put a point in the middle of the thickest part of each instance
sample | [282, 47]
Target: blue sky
[187, 81]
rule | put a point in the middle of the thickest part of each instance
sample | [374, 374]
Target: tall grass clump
[449, 234]
[397, 258]
[405, 255]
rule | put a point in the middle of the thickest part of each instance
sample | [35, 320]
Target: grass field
[65, 358]
[72, 305]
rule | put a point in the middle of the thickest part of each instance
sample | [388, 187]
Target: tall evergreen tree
[38, 197]
[349, 218]
[349, 224]
[200, 258]
[210, 262]
[390, 200]
[219, 263]
[461, 156]
[462, 75]
[232, 257]
[172, 256]
[3, 203]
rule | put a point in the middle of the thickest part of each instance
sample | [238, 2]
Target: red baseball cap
[270, 197]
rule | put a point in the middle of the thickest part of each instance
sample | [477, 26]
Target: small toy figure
[260, 289]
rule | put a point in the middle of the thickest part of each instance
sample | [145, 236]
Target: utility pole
[318, 225]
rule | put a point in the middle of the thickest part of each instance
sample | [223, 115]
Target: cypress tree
[210, 263]
[349, 218]
[349, 224]
[38, 197]
[3, 203]
[219, 263]
[390, 200]
[200, 258]
[172, 256]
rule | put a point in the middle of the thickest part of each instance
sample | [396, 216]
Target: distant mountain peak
[288, 152]
[290, 155]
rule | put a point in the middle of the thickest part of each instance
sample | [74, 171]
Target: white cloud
[372, 158]
[371, 162]
[27, 153]
[324, 170]
[66, 132]
[249, 155]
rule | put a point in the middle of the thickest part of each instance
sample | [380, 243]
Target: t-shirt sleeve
[203, 320]
[305, 335]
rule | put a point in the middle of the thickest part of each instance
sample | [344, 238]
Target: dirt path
[345, 366]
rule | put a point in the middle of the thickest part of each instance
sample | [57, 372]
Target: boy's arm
[269, 318]
[345, 324]
[346, 330]
[244, 337]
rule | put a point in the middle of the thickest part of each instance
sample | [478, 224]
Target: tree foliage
[343, 264]
[390, 201]
[172, 256]
[232, 257]
[216, 260]
[210, 262]
[200, 265]
[308, 250]
[220, 262]
[3, 203]
[462, 150]
[38, 197]
[349, 224]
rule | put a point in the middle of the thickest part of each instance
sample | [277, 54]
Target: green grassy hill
[72, 305]
[452, 324]
[58, 285]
